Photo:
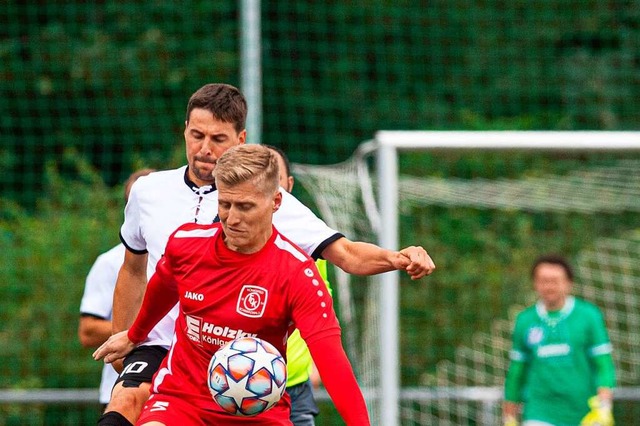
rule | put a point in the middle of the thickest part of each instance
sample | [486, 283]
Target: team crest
[252, 301]
[535, 336]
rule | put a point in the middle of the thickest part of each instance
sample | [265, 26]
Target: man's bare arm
[129, 291]
[93, 331]
[359, 258]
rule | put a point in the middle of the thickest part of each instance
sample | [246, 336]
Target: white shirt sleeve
[130, 231]
[97, 300]
[100, 283]
[298, 223]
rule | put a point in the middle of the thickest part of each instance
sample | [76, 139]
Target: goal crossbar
[497, 140]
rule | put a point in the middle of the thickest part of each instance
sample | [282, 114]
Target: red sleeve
[338, 378]
[161, 295]
[312, 312]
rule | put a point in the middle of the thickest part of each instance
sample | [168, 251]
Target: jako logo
[252, 301]
[194, 296]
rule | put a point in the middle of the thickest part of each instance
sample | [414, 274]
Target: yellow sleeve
[321, 264]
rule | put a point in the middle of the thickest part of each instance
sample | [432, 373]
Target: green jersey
[557, 350]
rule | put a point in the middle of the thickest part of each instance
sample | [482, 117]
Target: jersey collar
[200, 190]
[569, 304]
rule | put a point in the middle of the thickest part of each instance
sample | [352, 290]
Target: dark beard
[201, 174]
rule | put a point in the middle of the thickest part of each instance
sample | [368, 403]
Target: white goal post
[387, 144]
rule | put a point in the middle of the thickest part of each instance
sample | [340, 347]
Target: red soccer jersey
[223, 295]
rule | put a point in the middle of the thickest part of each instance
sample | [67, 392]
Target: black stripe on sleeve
[317, 253]
[84, 314]
[132, 250]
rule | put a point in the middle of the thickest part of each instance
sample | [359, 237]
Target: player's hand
[420, 263]
[116, 347]
[600, 414]
[510, 421]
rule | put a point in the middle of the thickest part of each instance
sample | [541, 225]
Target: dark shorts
[303, 405]
[140, 365]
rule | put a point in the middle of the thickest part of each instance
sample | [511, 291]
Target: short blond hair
[244, 163]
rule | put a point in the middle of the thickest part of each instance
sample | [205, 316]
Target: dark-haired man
[561, 369]
[159, 203]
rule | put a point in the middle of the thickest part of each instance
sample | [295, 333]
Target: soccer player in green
[561, 369]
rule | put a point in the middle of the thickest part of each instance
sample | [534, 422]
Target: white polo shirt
[97, 301]
[162, 201]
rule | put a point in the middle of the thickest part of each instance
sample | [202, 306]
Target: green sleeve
[600, 351]
[514, 381]
[600, 342]
[605, 371]
[519, 358]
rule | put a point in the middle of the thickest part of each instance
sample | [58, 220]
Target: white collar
[543, 313]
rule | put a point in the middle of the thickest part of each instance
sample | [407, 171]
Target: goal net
[484, 204]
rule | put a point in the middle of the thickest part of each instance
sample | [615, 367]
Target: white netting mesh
[608, 273]
[602, 189]
[337, 194]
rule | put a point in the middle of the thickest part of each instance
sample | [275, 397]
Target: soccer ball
[247, 376]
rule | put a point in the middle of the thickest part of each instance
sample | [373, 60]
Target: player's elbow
[93, 332]
[85, 337]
